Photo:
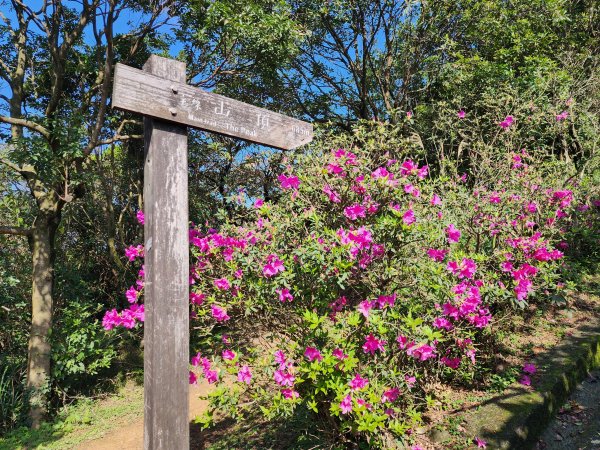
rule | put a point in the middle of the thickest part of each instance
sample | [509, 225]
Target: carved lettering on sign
[262, 121]
[219, 110]
[301, 131]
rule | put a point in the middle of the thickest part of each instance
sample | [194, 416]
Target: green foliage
[12, 399]
[80, 347]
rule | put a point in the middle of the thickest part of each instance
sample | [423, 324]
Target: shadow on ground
[256, 433]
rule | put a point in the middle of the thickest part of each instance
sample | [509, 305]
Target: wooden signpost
[169, 105]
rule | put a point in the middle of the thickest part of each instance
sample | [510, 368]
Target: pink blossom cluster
[284, 375]
[212, 376]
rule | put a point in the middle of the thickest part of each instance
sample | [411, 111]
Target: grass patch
[80, 422]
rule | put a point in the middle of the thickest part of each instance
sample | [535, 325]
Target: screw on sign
[169, 105]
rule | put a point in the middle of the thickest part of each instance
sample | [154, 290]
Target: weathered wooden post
[169, 105]
[166, 286]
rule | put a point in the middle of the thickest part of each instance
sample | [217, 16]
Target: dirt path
[130, 436]
[577, 425]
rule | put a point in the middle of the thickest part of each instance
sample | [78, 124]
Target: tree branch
[118, 138]
[16, 231]
[27, 124]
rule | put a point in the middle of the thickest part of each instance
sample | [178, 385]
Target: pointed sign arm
[140, 92]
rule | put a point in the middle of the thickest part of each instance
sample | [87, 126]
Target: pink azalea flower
[132, 252]
[289, 394]
[523, 288]
[346, 404]
[471, 354]
[222, 284]
[461, 114]
[386, 300]
[193, 378]
[409, 217]
[229, 355]
[408, 167]
[212, 376]
[495, 198]
[291, 182]
[507, 122]
[196, 299]
[466, 268]
[436, 200]
[453, 363]
[196, 360]
[562, 116]
[284, 295]
[131, 294]
[331, 194]
[437, 255]
[273, 267]
[372, 344]
[402, 341]
[312, 353]
[244, 375]
[390, 396]
[258, 202]
[442, 322]
[280, 359]
[284, 378]
[410, 381]
[355, 211]
[409, 114]
[422, 352]
[423, 172]
[137, 312]
[220, 314]
[452, 233]
[358, 382]
[339, 354]
[111, 319]
[140, 217]
[506, 266]
[380, 172]
[364, 307]
[480, 443]
[529, 368]
[410, 189]
[127, 319]
[335, 169]
[525, 380]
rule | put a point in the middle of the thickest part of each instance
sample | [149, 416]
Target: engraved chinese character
[262, 121]
[196, 103]
[220, 110]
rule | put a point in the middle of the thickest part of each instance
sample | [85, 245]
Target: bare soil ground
[130, 436]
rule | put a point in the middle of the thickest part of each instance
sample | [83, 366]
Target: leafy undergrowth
[86, 420]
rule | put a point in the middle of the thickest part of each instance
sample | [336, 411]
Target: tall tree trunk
[42, 241]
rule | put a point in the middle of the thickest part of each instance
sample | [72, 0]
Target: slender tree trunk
[42, 242]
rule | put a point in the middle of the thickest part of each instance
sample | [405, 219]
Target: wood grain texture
[152, 95]
[166, 328]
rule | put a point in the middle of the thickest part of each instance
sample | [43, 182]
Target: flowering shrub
[370, 280]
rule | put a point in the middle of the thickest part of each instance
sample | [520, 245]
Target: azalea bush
[368, 280]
